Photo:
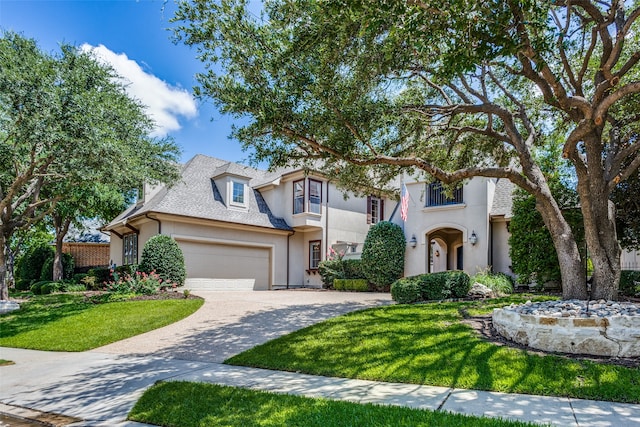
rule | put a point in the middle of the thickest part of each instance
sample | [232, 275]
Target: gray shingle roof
[197, 196]
[503, 199]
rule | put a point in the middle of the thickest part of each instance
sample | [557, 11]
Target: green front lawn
[69, 322]
[185, 404]
[429, 344]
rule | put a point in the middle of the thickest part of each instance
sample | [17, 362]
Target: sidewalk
[102, 388]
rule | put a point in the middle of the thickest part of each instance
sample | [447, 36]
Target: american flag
[404, 203]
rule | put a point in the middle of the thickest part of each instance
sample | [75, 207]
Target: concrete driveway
[231, 322]
[101, 386]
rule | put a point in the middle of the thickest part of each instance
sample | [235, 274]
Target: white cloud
[165, 103]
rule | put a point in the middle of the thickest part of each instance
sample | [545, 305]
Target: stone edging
[615, 336]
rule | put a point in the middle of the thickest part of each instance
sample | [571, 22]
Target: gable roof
[503, 199]
[197, 196]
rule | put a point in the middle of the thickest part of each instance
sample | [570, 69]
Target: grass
[188, 404]
[68, 322]
[429, 344]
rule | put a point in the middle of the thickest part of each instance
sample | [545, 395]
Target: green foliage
[353, 269]
[339, 268]
[79, 277]
[363, 91]
[36, 287]
[358, 285]
[532, 252]
[73, 287]
[630, 283]
[499, 283]
[30, 265]
[50, 287]
[101, 274]
[67, 267]
[431, 287]
[139, 283]
[23, 285]
[66, 119]
[406, 291]
[457, 282]
[163, 255]
[330, 270]
[383, 254]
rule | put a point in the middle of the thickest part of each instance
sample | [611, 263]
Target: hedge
[431, 286]
[358, 285]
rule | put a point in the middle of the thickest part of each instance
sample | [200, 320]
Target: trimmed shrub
[329, 271]
[383, 254]
[78, 277]
[67, 267]
[30, 265]
[23, 285]
[101, 274]
[358, 285]
[353, 269]
[628, 279]
[457, 283]
[431, 287]
[406, 291]
[163, 255]
[36, 287]
[50, 287]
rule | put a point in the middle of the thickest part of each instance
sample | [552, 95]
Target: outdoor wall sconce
[413, 242]
[473, 239]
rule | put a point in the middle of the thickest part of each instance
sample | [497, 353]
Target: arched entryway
[445, 249]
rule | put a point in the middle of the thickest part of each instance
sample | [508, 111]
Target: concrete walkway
[100, 387]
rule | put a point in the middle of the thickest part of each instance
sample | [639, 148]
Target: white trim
[461, 228]
[444, 207]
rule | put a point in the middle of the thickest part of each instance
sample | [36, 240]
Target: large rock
[478, 291]
[8, 306]
[615, 336]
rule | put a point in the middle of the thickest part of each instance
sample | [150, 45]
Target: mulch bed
[483, 326]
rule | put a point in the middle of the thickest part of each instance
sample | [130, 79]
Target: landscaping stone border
[613, 336]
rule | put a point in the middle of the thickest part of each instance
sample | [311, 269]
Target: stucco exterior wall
[466, 218]
[501, 262]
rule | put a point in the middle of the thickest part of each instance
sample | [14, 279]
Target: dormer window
[237, 193]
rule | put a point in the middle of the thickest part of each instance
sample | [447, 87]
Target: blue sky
[133, 37]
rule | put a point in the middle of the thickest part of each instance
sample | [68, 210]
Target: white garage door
[219, 266]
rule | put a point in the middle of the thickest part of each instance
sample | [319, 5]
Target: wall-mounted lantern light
[473, 239]
[413, 242]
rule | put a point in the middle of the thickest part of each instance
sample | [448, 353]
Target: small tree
[383, 254]
[163, 255]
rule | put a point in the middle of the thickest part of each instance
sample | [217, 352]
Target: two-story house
[244, 228]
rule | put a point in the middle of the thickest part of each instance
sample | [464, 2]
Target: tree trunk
[62, 227]
[603, 246]
[574, 283]
[4, 285]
